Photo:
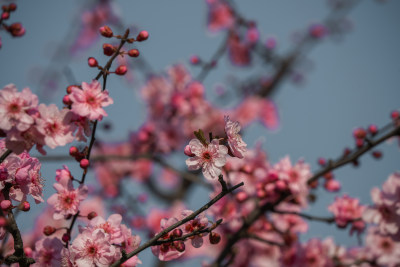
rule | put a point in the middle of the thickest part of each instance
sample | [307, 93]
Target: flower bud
[3, 174]
[3, 221]
[106, 31]
[92, 62]
[108, 49]
[5, 15]
[66, 237]
[49, 230]
[321, 161]
[12, 7]
[16, 29]
[28, 251]
[177, 232]
[214, 238]
[67, 101]
[164, 248]
[121, 70]
[194, 60]
[359, 133]
[25, 206]
[395, 114]
[142, 36]
[241, 196]
[317, 30]
[179, 246]
[373, 129]
[84, 163]
[92, 215]
[133, 53]
[377, 154]
[332, 185]
[73, 151]
[5, 205]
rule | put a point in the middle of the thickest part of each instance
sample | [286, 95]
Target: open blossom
[211, 158]
[92, 248]
[112, 227]
[386, 249]
[347, 209]
[55, 125]
[67, 199]
[197, 223]
[48, 252]
[90, 100]
[236, 144]
[16, 108]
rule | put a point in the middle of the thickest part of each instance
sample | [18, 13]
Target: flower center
[207, 155]
[14, 108]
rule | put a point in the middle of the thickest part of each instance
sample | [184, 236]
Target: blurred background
[343, 81]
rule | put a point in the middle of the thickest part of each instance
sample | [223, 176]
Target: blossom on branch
[236, 144]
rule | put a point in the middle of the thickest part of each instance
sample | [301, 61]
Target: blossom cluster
[25, 123]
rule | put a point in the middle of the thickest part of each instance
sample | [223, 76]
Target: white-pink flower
[16, 108]
[55, 125]
[236, 144]
[211, 158]
[92, 248]
[346, 209]
[48, 252]
[67, 199]
[90, 100]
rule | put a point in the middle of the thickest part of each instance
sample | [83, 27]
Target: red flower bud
[108, 49]
[5, 15]
[12, 7]
[92, 215]
[373, 129]
[92, 62]
[133, 53]
[395, 114]
[73, 151]
[25, 206]
[106, 31]
[6, 204]
[359, 133]
[84, 163]
[179, 245]
[142, 36]
[121, 70]
[49, 230]
[377, 154]
[177, 232]
[194, 60]
[322, 161]
[16, 29]
[214, 238]
[66, 237]
[3, 221]
[66, 100]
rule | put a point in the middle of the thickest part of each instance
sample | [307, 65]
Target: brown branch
[307, 216]
[269, 242]
[152, 241]
[5, 155]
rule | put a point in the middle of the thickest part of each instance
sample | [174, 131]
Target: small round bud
[3, 221]
[317, 30]
[241, 196]
[133, 53]
[108, 49]
[66, 237]
[92, 215]
[5, 204]
[321, 161]
[179, 246]
[73, 151]
[106, 31]
[346, 151]
[395, 114]
[28, 251]
[121, 70]
[25, 206]
[16, 29]
[164, 247]
[142, 36]
[177, 232]
[332, 185]
[49, 230]
[194, 60]
[92, 62]
[360, 133]
[12, 7]
[5, 15]
[281, 185]
[359, 143]
[214, 238]
[373, 129]
[314, 184]
[188, 151]
[84, 163]
[67, 101]
[328, 176]
[69, 89]
[270, 43]
[377, 154]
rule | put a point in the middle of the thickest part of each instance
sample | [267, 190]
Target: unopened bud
[73, 151]
[16, 29]
[321, 161]
[179, 246]
[373, 129]
[106, 31]
[121, 70]
[133, 53]
[92, 215]
[188, 151]
[5, 15]
[5, 204]
[66, 237]
[84, 163]
[3, 221]
[108, 49]
[164, 247]
[28, 251]
[25, 206]
[12, 7]
[142, 36]
[395, 114]
[241, 196]
[177, 232]
[377, 154]
[359, 133]
[49, 230]
[194, 60]
[214, 238]
[66, 100]
[92, 62]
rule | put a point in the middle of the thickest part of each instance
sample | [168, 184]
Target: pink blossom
[67, 199]
[92, 248]
[347, 209]
[48, 252]
[220, 15]
[236, 144]
[55, 125]
[112, 227]
[198, 223]
[211, 158]
[64, 172]
[383, 247]
[16, 108]
[90, 100]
